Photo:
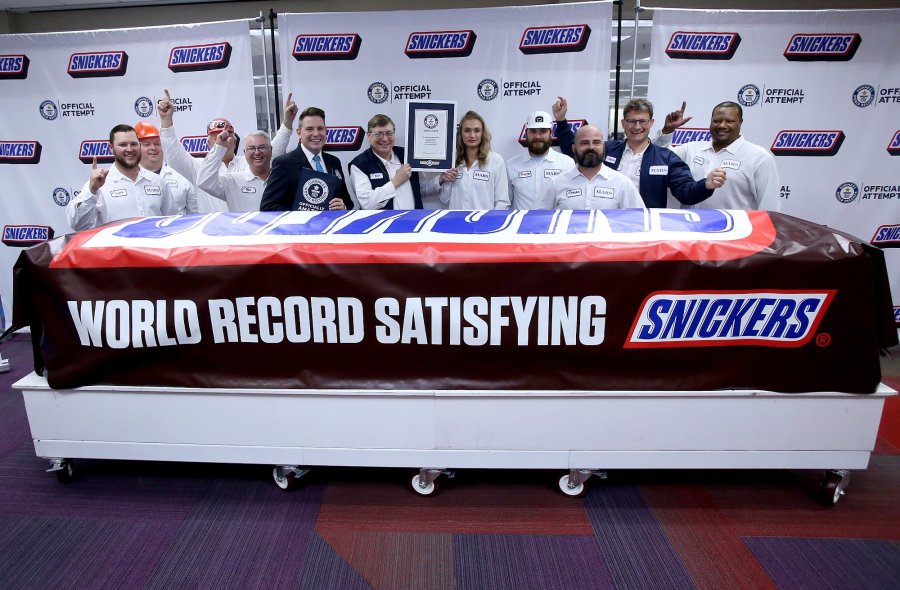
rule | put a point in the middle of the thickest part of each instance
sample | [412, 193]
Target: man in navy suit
[654, 170]
[285, 176]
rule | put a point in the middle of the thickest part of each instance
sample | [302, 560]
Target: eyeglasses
[382, 134]
[257, 148]
[641, 122]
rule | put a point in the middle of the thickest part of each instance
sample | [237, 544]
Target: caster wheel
[832, 488]
[573, 492]
[67, 473]
[419, 487]
[285, 481]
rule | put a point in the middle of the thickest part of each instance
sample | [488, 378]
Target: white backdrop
[813, 82]
[60, 111]
[497, 79]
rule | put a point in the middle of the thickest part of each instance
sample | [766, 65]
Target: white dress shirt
[241, 190]
[608, 189]
[183, 192]
[530, 175]
[630, 164]
[751, 178]
[478, 188]
[361, 190]
[120, 198]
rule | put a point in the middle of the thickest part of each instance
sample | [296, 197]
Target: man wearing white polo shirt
[590, 185]
[529, 173]
[242, 190]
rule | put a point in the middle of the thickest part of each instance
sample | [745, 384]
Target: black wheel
[284, 479]
[419, 486]
[832, 488]
[67, 473]
[569, 490]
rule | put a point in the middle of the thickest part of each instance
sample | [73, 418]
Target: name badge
[152, 189]
[659, 170]
[248, 189]
[698, 160]
[376, 176]
[338, 174]
[604, 192]
[732, 164]
[525, 174]
[551, 172]
[573, 192]
[609, 159]
[121, 192]
[481, 175]
[172, 183]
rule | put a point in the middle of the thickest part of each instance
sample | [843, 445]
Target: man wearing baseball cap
[153, 159]
[530, 173]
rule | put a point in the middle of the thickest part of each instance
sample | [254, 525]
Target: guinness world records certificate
[430, 135]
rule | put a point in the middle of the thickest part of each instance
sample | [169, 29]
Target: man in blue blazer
[285, 176]
[654, 170]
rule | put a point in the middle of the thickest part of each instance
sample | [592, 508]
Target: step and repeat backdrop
[819, 89]
[63, 92]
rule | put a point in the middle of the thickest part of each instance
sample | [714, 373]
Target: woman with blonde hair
[479, 179]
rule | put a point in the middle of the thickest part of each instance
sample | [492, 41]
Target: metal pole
[637, 20]
[272, 17]
[261, 19]
[618, 69]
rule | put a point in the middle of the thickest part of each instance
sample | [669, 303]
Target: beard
[124, 164]
[539, 150]
[589, 158]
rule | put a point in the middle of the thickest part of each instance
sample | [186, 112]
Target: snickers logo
[575, 125]
[20, 152]
[687, 45]
[728, 318]
[822, 47]
[326, 47]
[893, 148]
[344, 139]
[687, 135]
[440, 44]
[26, 235]
[887, 236]
[807, 143]
[561, 39]
[98, 65]
[195, 145]
[14, 67]
[99, 148]
[196, 58]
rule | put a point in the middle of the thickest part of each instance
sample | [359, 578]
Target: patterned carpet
[175, 525]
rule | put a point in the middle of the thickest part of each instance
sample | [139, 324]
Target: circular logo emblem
[143, 106]
[431, 121]
[61, 196]
[49, 110]
[748, 95]
[488, 89]
[378, 92]
[315, 191]
[864, 95]
[847, 192]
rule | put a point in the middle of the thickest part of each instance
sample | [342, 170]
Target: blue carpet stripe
[323, 569]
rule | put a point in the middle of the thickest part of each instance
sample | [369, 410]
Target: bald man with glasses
[654, 170]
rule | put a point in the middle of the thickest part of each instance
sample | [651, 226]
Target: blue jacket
[676, 177]
[369, 163]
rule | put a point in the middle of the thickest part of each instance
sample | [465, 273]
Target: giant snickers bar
[525, 300]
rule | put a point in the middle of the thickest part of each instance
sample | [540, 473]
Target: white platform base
[457, 429]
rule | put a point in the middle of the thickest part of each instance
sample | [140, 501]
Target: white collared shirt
[530, 175]
[608, 189]
[478, 188]
[241, 190]
[120, 198]
[183, 192]
[751, 178]
[369, 198]
[630, 164]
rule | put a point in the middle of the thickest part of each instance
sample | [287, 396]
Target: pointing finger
[94, 165]
[168, 96]
[290, 94]
[683, 105]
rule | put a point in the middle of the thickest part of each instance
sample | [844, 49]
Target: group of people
[153, 174]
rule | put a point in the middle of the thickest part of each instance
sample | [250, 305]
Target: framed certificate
[431, 135]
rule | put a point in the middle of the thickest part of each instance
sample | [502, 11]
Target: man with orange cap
[152, 159]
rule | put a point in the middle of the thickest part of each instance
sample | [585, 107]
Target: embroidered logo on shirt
[525, 174]
[248, 189]
[659, 170]
[733, 164]
[610, 159]
[552, 172]
[172, 183]
[604, 192]
[573, 192]
[152, 189]
[376, 176]
[481, 175]
[121, 192]
[698, 160]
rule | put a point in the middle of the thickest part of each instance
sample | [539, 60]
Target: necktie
[317, 162]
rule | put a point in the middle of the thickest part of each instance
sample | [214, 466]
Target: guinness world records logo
[864, 95]
[315, 191]
[61, 196]
[847, 192]
[488, 89]
[49, 110]
[378, 92]
[143, 106]
[749, 95]
[430, 121]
